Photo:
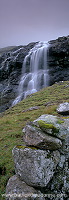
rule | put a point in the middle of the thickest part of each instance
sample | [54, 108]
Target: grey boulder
[51, 119]
[63, 108]
[58, 122]
[35, 167]
[33, 136]
[19, 190]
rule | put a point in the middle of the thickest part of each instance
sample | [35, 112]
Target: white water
[34, 72]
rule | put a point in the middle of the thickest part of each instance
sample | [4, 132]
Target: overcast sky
[25, 21]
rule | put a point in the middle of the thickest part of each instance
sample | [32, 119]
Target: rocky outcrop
[35, 167]
[11, 67]
[35, 137]
[63, 108]
[59, 60]
[44, 169]
[10, 72]
[17, 189]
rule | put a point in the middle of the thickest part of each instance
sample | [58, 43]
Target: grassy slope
[13, 120]
[6, 49]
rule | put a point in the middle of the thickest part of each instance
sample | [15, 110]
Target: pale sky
[25, 21]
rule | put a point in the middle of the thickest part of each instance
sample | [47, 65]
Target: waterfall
[34, 72]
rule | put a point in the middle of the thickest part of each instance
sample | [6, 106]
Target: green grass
[14, 119]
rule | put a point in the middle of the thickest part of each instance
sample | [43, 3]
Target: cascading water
[34, 72]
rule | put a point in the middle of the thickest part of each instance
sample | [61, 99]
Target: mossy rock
[23, 147]
[20, 147]
[47, 127]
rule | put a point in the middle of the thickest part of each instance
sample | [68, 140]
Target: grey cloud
[24, 21]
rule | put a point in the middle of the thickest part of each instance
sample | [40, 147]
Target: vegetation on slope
[14, 119]
[9, 48]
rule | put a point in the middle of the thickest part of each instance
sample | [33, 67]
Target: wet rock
[11, 62]
[19, 190]
[35, 167]
[63, 108]
[58, 60]
[34, 136]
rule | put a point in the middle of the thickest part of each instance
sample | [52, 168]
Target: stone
[50, 119]
[31, 108]
[35, 167]
[59, 123]
[59, 184]
[17, 189]
[50, 128]
[34, 136]
[66, 123]
[47, 169]
[63, 108]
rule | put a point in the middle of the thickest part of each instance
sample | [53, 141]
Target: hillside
[14, 119]
[7, 49]
[16, 62]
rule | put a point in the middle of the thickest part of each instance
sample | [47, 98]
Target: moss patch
[20, 147]
[60, 121]
[23, 147]
[45, 126]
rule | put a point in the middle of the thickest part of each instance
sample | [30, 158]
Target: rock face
[11, 68]
[34, 166]
[59, 60]
[10, 72]
[46, 169]
[17, 189]
[35, 137]
[63, 108]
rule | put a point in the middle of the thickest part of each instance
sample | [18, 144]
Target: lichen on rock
[34, 136]
[48, 127]
[35, 167]
[17, 189]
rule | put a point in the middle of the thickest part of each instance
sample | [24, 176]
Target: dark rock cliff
[10, 72]
[11, 66]
[59, 60]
